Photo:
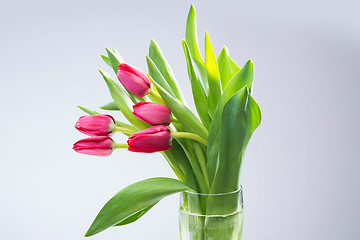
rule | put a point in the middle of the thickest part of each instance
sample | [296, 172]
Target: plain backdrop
[301, 170]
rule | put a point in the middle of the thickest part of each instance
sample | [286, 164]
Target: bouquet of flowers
[205, 151]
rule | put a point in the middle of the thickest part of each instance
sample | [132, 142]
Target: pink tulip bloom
[153, 139]
[152, 113]
[96, 125]
[101, 146]
[134, 80]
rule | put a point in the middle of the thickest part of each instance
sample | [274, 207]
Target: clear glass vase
[211, 216]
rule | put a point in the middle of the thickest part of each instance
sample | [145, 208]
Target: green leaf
[191, 35]
[122, 100]
[227, 67]
[210, 109]
[157, 76]
[243, 78]
[212, 73]
[159, 60]
[118, 54]
[115, 59]
[133, 199]
[184, 115]
[191, 40]
[179, 162]
[135, 216]
[106, 60]
[88, 111]
[199, 95]
[202, 71]
[213, 158]
[111, 106]
[240, 117]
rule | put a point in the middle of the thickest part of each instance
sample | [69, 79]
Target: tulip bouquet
[205, 151]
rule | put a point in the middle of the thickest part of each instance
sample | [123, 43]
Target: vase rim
[214, 194]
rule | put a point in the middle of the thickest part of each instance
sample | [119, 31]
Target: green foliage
[135, 216]
[227, 67]
[111, 106]
[132, 199]
[243, 78]
[191, 40]
[228, 117]
[156, 75]
[199, 94]
[240, 117]
[212, 74]
[159, 60]
[183, 114]
[122, 100]
[106, 60]
[114, 58]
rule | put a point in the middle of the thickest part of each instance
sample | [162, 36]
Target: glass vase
[211, 216]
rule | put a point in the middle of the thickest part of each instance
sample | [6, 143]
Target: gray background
[300, 176]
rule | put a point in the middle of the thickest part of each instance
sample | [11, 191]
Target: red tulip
[96, 125]
[101, 146]
[153, 139]
[134, 80]
[152, 113]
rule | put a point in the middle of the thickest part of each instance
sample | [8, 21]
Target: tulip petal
[133, 80]
[122, 100]
[152, 113]
[101, 146]
[153, 139]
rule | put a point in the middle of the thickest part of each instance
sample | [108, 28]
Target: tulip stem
[123, 130]
[121, 145]
[189, 136]
[202, 160]
[174, 119]
[157, 96]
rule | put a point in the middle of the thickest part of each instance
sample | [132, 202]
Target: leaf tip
[152, 42]
[225, 50]
[89, 233]
[206, 34]
[81, 108]
[184, 44]
[250, 62]
[191, 14]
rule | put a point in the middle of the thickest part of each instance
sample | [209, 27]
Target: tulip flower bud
[134, 80]
[152, 113]
[101, 146]
[153, 139]
[96, 125]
